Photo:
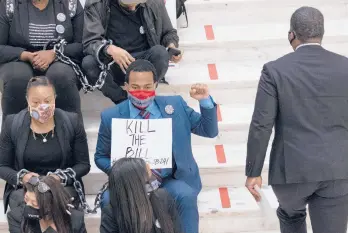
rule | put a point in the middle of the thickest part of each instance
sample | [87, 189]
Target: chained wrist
[62, 176]
[20, 176]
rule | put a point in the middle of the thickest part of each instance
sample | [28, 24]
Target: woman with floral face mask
[41, 140]
[43, 197]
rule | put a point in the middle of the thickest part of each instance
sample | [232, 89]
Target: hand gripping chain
[64, 175]
[70, 173]
[58, 46]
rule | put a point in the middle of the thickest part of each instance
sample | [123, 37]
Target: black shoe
[115, 95]
[163, 81]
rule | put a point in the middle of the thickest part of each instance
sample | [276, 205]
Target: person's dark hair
[307, 23]
[134, 209]
[53, 205]
[39, 81]
[141, 66]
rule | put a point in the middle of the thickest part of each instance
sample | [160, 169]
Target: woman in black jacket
[40, 140]
[135, 206]
[25, 28]
[47, 209]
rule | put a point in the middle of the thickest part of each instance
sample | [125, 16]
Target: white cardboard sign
[150, 140]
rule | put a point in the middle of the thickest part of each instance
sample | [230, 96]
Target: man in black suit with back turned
[305, 96]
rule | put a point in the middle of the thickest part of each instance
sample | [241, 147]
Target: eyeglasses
[41, 186]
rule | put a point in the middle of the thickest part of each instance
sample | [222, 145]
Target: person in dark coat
[304, 95]
[138, 29]
[135, 206]
[47, 209]
[39, 140]
[26, 26]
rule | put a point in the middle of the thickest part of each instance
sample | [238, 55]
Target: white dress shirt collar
[302, 45]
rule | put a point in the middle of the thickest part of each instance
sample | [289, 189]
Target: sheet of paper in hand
[150, 140]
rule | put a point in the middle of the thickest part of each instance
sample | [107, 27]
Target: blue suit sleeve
[207, 103]
[204, 124]
[102, 155]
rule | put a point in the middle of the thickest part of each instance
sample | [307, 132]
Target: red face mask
[141, 98]
[142, 94]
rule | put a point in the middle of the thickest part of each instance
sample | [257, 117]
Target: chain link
[103, 67]
[64, 175]
[20, 176]
[58, 46]
[78, 188]
[99, 195]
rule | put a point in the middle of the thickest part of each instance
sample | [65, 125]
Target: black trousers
[157, 55]
[14, 77]
[327, 203]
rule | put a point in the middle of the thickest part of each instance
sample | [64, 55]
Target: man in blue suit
[182, 181]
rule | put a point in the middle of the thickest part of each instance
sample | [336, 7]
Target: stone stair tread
[233, 66]
[218, 165]
[227, 72]
[210, 201]
[254, 33]
[238, 115]
[240, 55]
[261, 3]
[211, 156]
[228, 202]
[231, 11]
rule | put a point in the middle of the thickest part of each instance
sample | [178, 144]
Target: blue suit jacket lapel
[162, 102]
[124, 109]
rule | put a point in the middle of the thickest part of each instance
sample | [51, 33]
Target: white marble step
[222, 210]
[236, 116]
[224, 74]
[277, 231]
[227, 69]
[230, 53]
[234, 122]
[234, 81]
[230, 12]
[219, 165]
[253, 34]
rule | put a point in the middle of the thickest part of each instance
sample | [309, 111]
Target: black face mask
[31, 213]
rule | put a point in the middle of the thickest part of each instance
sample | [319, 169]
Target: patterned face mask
[140, 98]
[42, 113]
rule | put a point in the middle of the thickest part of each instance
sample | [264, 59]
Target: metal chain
[62, 176]
[103, 67]
[20, 176]
[99, 195]
[78, 188]
[58, 46]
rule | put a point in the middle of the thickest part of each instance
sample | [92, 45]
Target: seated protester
[182, 181]
[47, 209]
[138, 29]
[26, 26]
[135, 207]
[39, 140]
